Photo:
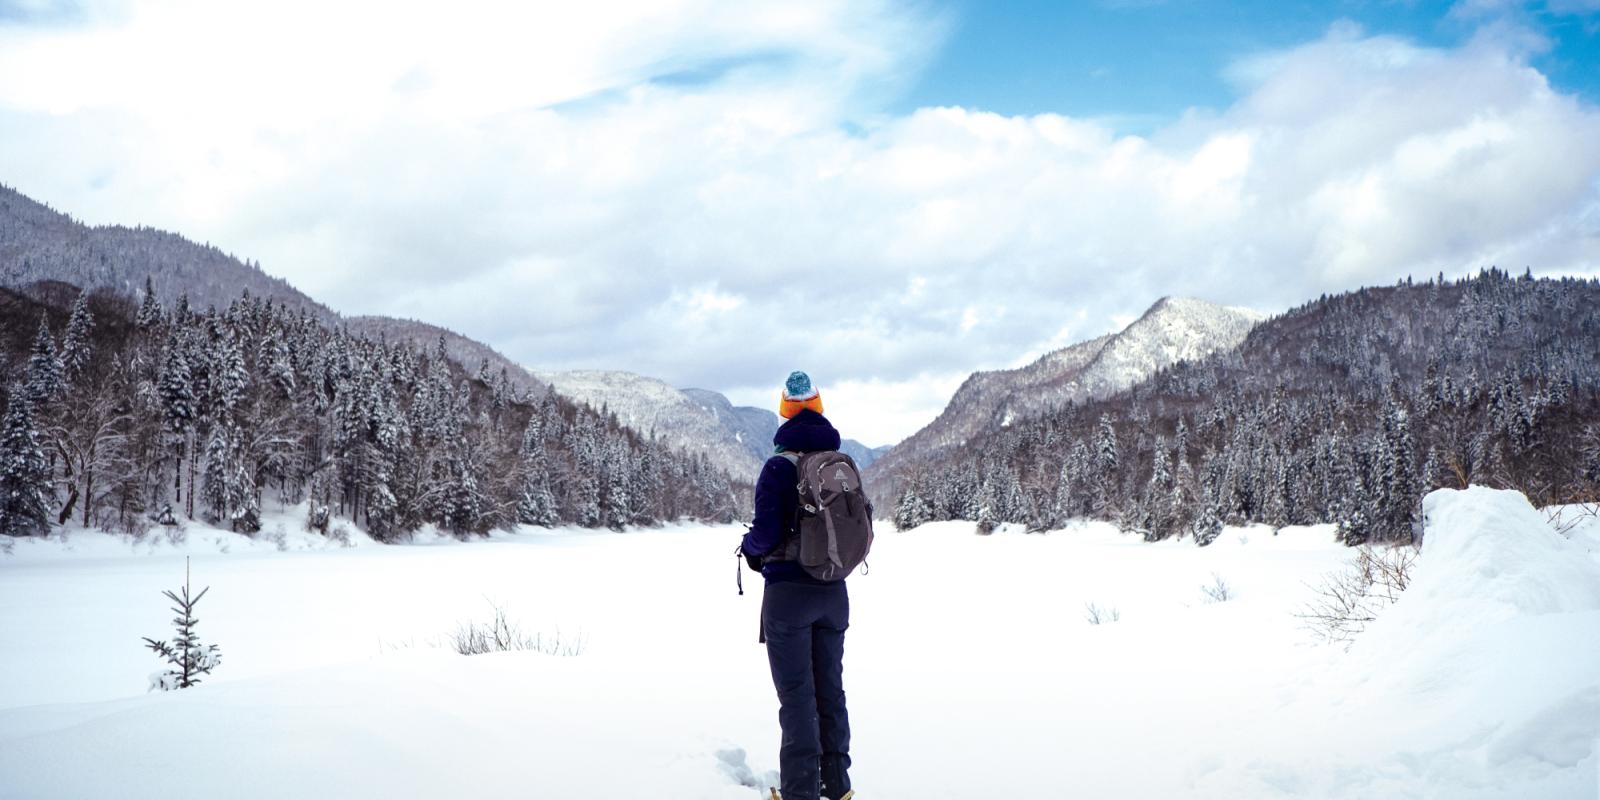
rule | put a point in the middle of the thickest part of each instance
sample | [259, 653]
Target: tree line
[123, 413]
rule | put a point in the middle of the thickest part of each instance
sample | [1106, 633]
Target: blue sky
[1140, 63]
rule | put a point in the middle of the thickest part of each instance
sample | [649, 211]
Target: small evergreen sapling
[188, 657]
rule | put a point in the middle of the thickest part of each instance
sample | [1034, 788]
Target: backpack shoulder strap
[790, 456]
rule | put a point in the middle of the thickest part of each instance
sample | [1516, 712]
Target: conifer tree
[1207, 526]
[187, 656]
[645, 485]
[911, 509]
[616, 512]
[228, 378]
[1107, 458]
[536, 504]
[219, 474]
[45, 380]
[75, 347]
[24, 477]
[1155, 508]
[463, 505]
[149, 307]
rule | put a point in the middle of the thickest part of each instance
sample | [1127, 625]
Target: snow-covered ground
[971, 669]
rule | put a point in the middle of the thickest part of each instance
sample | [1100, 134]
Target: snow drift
[1482, 681]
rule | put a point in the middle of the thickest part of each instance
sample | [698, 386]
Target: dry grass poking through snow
[1351, 598]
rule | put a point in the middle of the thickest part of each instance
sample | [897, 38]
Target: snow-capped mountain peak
[1173, 329]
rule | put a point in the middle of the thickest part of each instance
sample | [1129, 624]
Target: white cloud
[711, 193]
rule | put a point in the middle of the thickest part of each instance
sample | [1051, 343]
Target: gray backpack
[835, 520]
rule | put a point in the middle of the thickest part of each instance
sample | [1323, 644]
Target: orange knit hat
[798, 393]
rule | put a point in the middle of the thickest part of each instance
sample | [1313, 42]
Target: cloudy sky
[887, 194]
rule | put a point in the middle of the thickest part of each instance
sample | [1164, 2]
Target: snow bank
[283, 529]
[1482, 681]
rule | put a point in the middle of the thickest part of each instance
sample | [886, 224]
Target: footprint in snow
[733, 765]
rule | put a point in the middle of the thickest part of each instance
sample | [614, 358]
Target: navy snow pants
[804, 625]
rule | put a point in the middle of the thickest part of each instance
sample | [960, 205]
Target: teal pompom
[798, 387]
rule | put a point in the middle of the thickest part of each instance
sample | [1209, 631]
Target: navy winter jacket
[777, 498]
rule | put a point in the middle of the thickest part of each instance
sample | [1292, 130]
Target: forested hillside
[38, 243]
[1345, 410]
[122, 413]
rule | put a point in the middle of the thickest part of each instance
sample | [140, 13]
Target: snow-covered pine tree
[464, 501]
[45, 381]
[1398, 495]
[280, 366]
[911, 509]
[187, 656]
[175, 385]
[1207, 525]
[244, 501]
[988, 519]
[76, 347]
[219, 474]
[964, 495]
[615, 510]
[1075, 496]
[1107, 459]
[1156, 506]
[645, 484]
[583, 443]
[381, 504]
[1280, 500]
[536, 505]
[229, 379]
[149, 307]
[25, 488]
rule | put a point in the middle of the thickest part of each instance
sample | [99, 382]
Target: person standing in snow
[803, 618]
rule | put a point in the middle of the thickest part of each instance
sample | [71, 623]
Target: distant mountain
[654, 408]
[39, 245]
[736, 439]
[1174, 329]
[755, 427]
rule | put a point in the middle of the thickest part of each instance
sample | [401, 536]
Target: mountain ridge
[40, 244]
[1171, 330]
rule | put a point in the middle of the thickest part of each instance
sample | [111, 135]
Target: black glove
[753, 561]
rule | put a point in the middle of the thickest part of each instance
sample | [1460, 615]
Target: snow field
[970, 668]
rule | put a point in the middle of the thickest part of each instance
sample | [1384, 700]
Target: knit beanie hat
[798, 393]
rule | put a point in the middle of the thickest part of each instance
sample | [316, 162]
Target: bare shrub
[500, 634]
[1350, 599]
[1563, 518]
[1097, 615]
[1218, 590]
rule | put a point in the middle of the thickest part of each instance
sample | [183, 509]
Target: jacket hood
[807, 432]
